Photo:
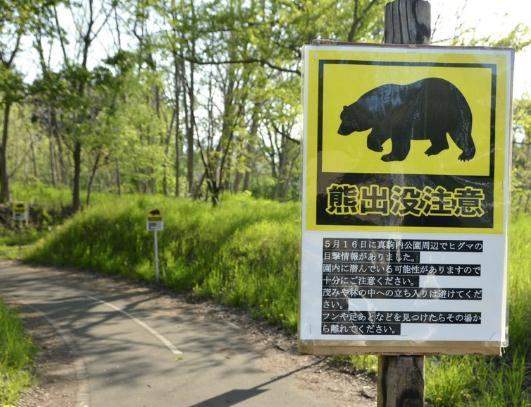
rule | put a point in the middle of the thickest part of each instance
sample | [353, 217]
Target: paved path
[135, 346]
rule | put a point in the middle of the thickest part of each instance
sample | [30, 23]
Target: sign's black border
[443, 221]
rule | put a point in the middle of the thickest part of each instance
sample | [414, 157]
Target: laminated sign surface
[405, 199]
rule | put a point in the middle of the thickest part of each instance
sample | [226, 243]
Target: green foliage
[245, 253]
[477, 380]
[11, 85]
[518, 38]
[522, 115]
[16, 357]
[493, 381]
[237, 262]
[15, 243]
[49, 198]
[130, 116]
[19, 237]
[367, 363]
[41, 194]
[209, 90]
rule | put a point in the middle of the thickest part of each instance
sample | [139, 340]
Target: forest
[181, 97]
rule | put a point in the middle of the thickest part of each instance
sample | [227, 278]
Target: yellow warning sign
[405, 199]
[20, 213]
[414, 140]
[154, 215]
[19, 207]
[154, 221]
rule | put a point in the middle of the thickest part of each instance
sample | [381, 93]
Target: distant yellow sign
[154, 215]
[20, 212]
[19, 207]
[154, 221]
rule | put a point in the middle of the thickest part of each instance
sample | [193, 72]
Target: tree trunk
[190, 133]
[198, 186]
[52, 160]
[167, 141]
[190, 136]
[215, 192]
[76, 200]
[4, 176]
[60, 155]
[33, 158]
[91, 178]
[247, 180]
[237, 181]
[185, 102]
[177, 95]
[253, 133]
[118, 178]
[281, 170]
[225, 183]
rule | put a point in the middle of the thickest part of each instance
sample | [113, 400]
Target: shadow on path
[236, 396]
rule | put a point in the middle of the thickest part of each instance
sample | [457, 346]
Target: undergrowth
[493, 381]
[245, 253]
[16, 355]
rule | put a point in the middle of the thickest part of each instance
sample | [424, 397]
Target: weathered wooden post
[407, 22]
[401, 378]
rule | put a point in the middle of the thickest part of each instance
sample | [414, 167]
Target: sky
[487, 17]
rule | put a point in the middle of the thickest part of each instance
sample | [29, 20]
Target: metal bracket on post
[401, 378]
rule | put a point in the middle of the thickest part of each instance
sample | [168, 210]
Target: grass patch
[16, 356]
[493, 381]
[246, 253]
[15, 243]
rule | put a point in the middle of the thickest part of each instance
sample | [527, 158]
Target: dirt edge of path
[60, 374]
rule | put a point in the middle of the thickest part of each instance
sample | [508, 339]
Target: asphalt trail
[138, 347]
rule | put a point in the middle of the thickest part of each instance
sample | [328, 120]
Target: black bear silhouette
[428, 109]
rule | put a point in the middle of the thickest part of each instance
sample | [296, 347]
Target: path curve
[140, 347]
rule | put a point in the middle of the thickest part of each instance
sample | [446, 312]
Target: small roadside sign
[155, 224]
[20, 213]
[154, 221]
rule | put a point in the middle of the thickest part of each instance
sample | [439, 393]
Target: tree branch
[244, 61]
[354, 21]
[357, 21]
[60, 34]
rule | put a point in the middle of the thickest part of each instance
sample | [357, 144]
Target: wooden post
[400, 381]
[401, 378]
[407, 22]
